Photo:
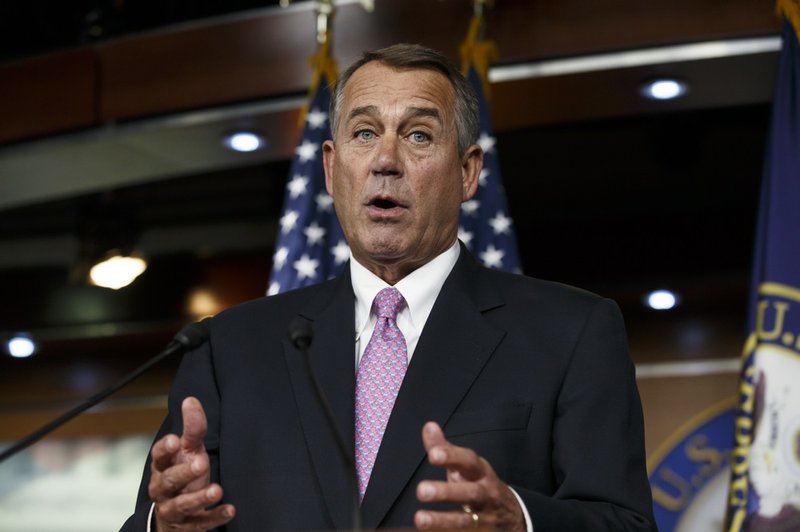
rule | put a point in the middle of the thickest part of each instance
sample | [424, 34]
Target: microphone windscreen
[193, 334]
[300, 333]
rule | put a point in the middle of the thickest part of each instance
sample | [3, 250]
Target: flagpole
[310, 246]
[485, 225]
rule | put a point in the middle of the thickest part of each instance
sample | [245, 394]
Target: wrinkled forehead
[382, 86]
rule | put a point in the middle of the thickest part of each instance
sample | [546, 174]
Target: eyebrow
[414, 112]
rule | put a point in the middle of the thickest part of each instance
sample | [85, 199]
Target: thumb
[194, 424]
[432, 435]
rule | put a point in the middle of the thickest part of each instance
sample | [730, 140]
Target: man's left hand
[471, 482]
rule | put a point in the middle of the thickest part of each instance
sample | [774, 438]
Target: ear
[471, 166]
[328, 154]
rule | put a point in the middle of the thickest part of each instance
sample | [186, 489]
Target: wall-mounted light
[664, 89]
[203, 302]
[21, 346]
[661, 299]
[244, 141]
[117, 271]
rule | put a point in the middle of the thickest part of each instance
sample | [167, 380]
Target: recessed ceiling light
[21, 346]
[661, 299]
[664, 89]
[244, 141]
[117, 271]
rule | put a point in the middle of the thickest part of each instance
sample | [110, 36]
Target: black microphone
[301, 334]
[187, 338]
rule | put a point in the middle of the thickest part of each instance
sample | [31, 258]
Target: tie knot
[387, 303]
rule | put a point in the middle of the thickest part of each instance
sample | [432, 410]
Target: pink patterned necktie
[380, 374]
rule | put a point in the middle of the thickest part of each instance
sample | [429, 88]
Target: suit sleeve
[598, 432]
[195, 377]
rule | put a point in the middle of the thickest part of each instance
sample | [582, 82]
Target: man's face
[394, 171]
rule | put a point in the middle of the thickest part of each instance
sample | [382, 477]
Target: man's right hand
[180, 480]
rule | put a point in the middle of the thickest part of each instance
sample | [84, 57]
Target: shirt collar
[420, 288]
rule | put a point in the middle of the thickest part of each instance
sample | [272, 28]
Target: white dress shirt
[420, 289]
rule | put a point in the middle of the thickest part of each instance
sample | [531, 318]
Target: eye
[420, 137]
[365, 134]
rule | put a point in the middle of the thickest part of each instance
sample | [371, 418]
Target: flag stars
[306, 267]
[288, 221]
[297, 186]
[483, 176]
[487, 142]
[307, 151]
[279, 258]
[341, 252]
[315, 234]
[492, 257]
[466, 237]
[274, 288]
[316, 118]
[500, 224]
[470, 207]
[324, 202]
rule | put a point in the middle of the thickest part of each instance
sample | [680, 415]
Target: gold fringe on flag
[790, 9]
[322, 63]
[477, 52]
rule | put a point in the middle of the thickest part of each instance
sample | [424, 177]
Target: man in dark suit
[518, 407]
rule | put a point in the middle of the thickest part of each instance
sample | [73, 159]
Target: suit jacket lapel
[332, 359]
[454, 346]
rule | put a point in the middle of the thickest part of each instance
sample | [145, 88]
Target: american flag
[311, 246]
[485, 226]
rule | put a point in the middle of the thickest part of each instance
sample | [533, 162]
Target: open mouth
[383, 203]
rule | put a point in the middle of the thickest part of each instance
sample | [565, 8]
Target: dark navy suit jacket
[532, 375]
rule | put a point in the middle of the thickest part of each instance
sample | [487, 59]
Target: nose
[386, 162]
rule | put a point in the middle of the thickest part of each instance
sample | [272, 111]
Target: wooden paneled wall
[264, 54]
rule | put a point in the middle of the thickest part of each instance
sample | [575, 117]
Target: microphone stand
[301, 336]
[187, 338]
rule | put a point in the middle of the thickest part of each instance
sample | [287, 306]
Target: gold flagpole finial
[322, 63]
[790, 9]
[478, 6]
[476, 50]
[324, 10]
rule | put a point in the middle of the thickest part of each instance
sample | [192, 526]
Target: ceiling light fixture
[117, 271]
[244, 141]
[661, 300]
[21, 346]
[664, 89]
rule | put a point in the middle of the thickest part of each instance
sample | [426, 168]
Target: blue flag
[764, 492]
[485, 225]
[311, 246]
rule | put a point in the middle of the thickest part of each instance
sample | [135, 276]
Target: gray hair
[414, 56]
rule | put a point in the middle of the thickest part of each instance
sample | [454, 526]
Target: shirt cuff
[153, 507]
[528, 523]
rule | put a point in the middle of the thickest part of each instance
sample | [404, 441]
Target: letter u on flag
[764, 493]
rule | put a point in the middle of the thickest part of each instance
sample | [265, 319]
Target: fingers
[190, 509]
[205, 520]
[164, 452]
[472, 493]
[471, 482]
[441, 520]
[194, 424]
[432, 435]
[459, 461]
[169, 482]
[180, 465]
